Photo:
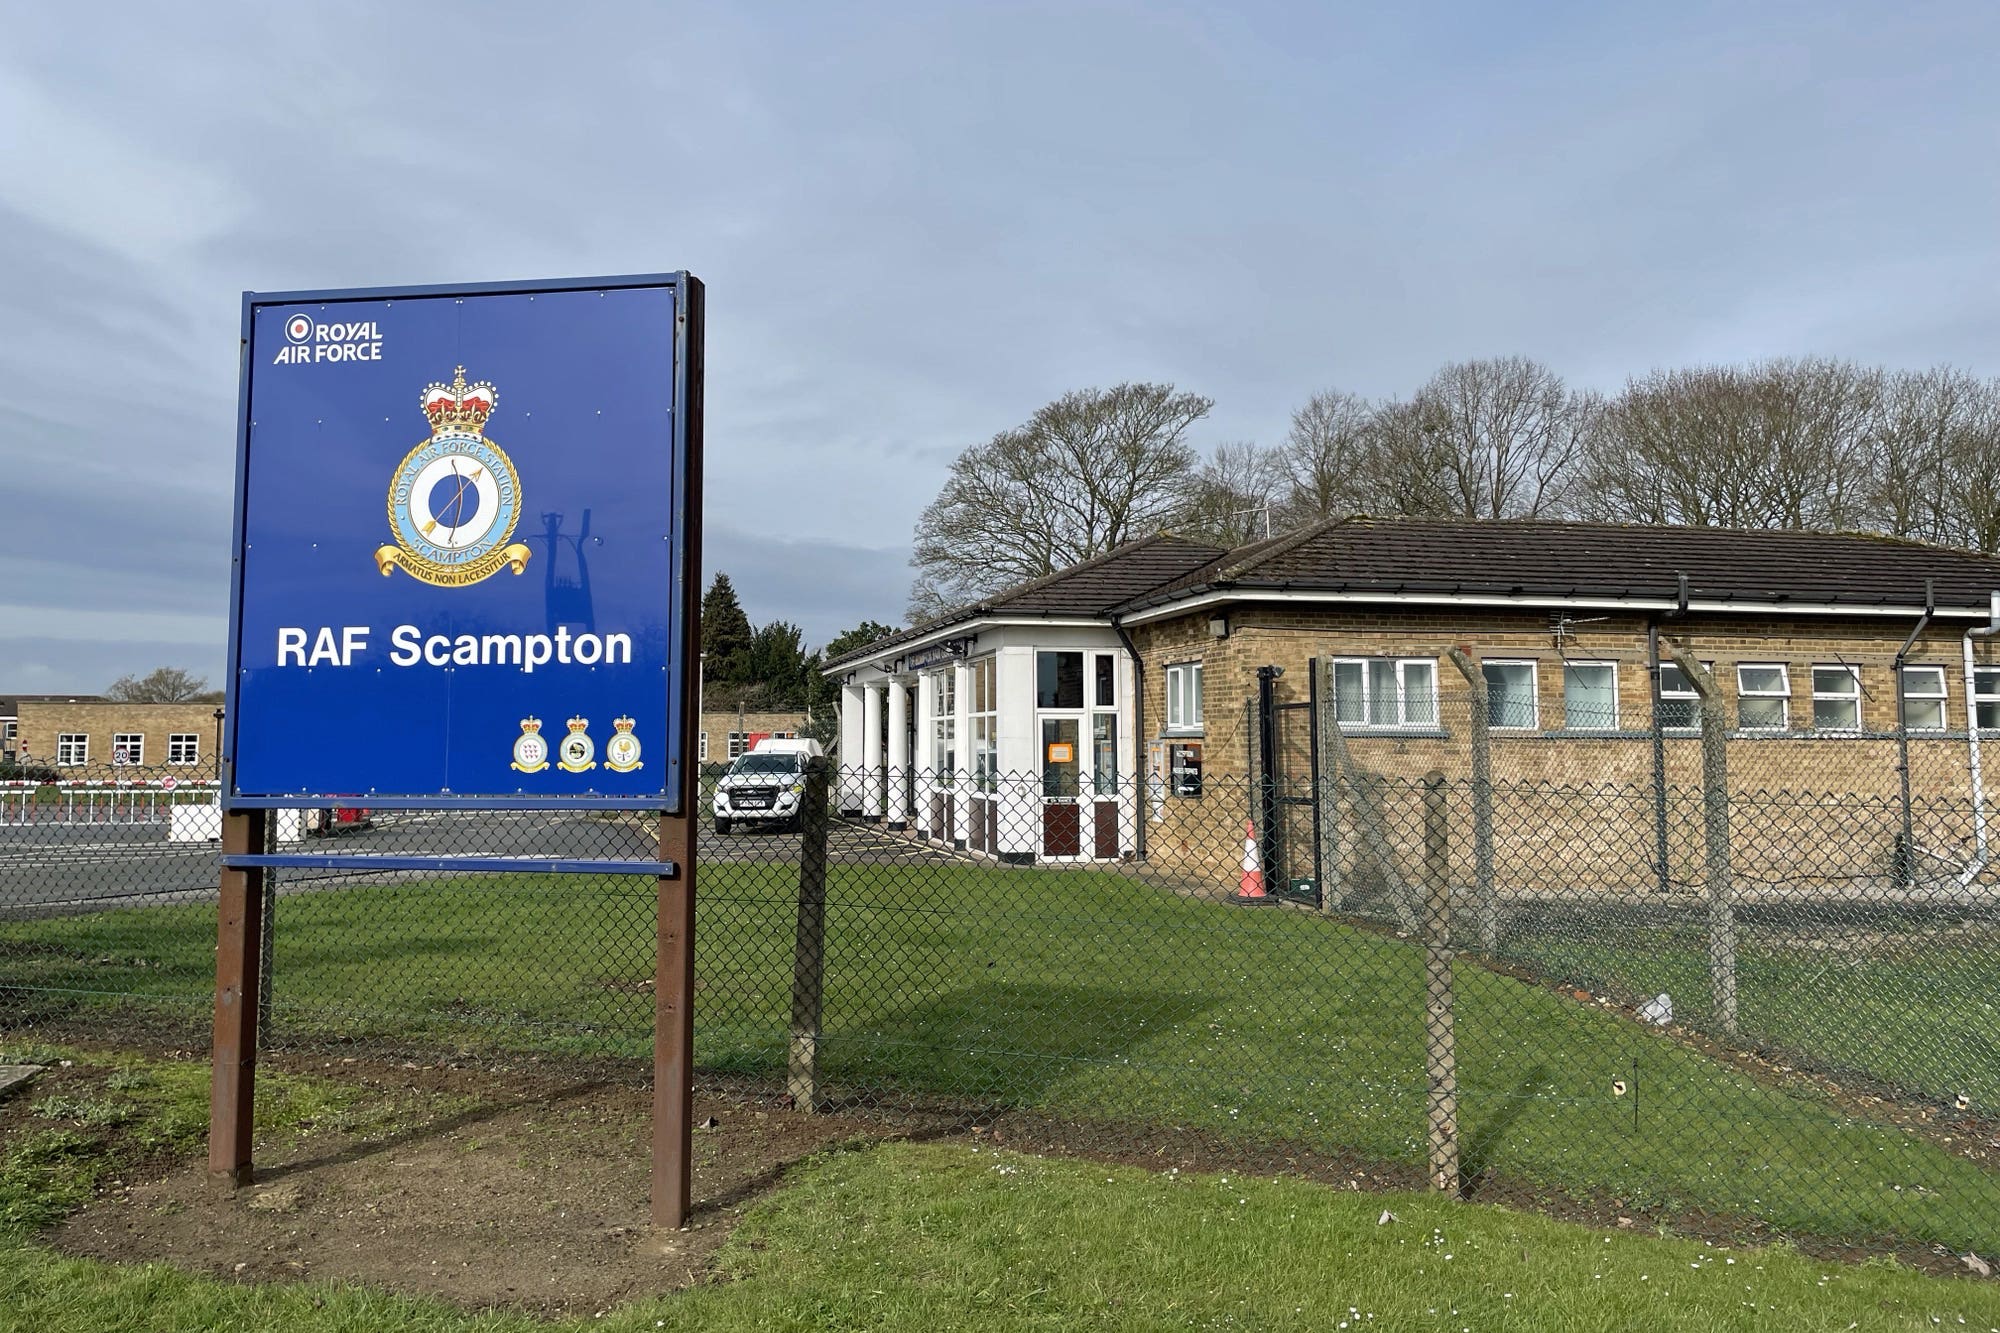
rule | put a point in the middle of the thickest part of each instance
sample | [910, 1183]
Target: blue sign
[462, 519]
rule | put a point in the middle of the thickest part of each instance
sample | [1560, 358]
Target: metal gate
[1285, 763]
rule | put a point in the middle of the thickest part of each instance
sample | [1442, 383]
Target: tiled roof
[1537, 559]
[1092, 588]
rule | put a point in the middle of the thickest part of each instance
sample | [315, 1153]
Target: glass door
[1063, 770]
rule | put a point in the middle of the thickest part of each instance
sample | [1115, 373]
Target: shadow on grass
[1002, 1042]
[1476, 1155]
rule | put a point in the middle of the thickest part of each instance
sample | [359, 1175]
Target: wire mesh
[1099, 951]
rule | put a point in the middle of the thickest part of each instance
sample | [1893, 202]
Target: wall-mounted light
[1218, 627]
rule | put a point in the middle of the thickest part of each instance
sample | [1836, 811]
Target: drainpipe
[1979, 857]
[1140, 776]
[1906, 854]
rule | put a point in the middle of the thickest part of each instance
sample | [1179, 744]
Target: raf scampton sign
[461, 531]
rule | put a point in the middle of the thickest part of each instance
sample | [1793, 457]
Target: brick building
[1033, 710]
[10, 717]
[727, 733]
[87, 737]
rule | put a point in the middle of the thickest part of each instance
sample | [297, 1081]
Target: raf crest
[454, 499]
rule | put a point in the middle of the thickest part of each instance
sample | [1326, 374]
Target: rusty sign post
[595, 385]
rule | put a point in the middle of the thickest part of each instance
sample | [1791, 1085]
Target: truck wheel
[722, 826]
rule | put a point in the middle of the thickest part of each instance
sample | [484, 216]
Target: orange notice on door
[1061, 752]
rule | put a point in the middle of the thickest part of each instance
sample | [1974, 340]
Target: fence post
[1482, 801]
[1440, 1052]
[1715, 838]
[1326, 721]
[809, 944]
[232, 1090]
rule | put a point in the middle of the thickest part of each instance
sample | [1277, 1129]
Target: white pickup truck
[765, 788]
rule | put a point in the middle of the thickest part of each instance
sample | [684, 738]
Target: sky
[918, 223]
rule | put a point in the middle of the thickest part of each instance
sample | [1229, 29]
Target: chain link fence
[1592, 970]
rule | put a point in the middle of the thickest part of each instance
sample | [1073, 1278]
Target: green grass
[1919, 1014]
[924, 1237]
[1077, 993]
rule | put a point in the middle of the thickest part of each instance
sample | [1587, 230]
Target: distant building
[10, 716]
[89, 737]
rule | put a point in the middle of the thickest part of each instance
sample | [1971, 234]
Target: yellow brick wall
[1580, 799]
[42, 723]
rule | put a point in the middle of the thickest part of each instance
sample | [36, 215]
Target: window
[128, 747]
[1104, 753]
[1836, 698]
[704, 747]
[1510, 694]
[72, 749]
[1059, 680]
[1986, 697]
[183, 747]
[1385, 691]
[1184, 697]
[738, 743]
[944, 719]
[1763, 697]
[1107, 667]
[1590, 696]
[1680, 706]
[985, 725]
[9, 731]
[1923, 698]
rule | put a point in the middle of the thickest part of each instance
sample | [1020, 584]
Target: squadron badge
[531, 752]
[454, 499]
[579, 752]
[621, 752]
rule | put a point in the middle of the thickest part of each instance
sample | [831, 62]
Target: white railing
[100, 800]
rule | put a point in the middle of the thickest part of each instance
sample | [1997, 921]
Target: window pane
[1989, 716]
[1833, 680]
[1194, 695]
[1985, 680]
[1757, 714]
[1059, 680]
[1510, 693]
[1420, 707]
[1104, 753]
[1104, 678]
[1382, 693]
[1760, 679]
[1590, 696]
[1836, 714]
[1060, 762]
[1928, 714]
[1673, 680]
[1347, 692]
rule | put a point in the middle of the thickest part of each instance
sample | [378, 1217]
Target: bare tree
[1237, 497]
[1938, 457]
[165, 685]
[1089, 471]
[1325, 459]
[1784, 444]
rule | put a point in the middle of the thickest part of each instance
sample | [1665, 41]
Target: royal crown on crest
[458, 405]
[531, 725]
[579, 724]
[622, 724]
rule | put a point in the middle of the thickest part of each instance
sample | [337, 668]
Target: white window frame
[982, 681]
[1986, 697]
[1534, 722]
[1851, 695]
[1568, 724]
[183, 748]
[72, 749]
[1403, 721]
[1783, 695]
[943, 687]
[128, 748]
[704, 747]
[10, 731]
[1940, 697]
[1184, 707]
[1687, 695]
[739, 745]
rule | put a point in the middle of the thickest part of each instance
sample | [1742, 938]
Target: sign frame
[684, 470]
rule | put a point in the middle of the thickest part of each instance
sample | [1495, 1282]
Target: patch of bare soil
[531, 1196]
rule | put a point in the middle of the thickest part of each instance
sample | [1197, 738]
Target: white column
[1020, 818]
[899, 755]
[871, 752]
[927, 783]
[850, 749]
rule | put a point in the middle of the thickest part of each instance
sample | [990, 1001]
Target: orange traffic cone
[1250, 889]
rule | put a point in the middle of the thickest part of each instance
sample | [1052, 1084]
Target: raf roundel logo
[298, 328]
[454, 499]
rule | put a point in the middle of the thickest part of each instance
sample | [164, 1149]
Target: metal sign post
[466, 577]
